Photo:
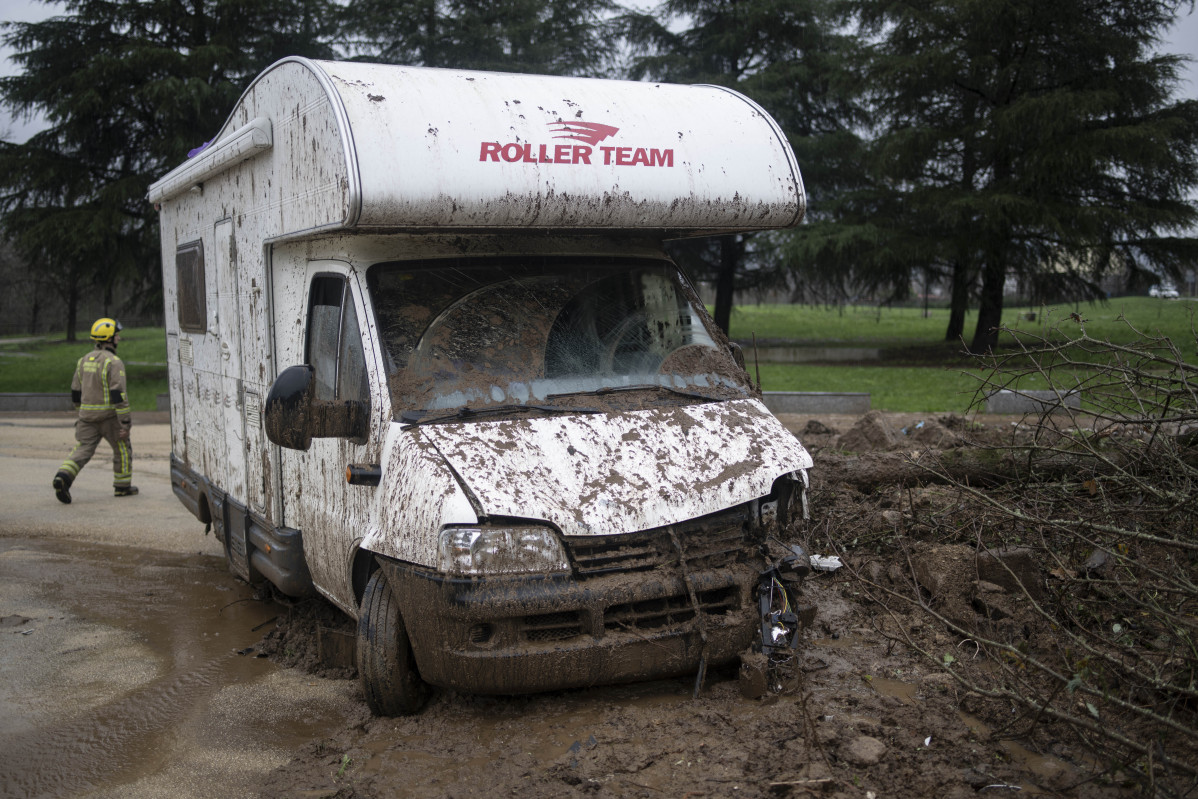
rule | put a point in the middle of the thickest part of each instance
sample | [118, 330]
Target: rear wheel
[390, 679]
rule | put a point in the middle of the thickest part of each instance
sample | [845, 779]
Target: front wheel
[390, 678]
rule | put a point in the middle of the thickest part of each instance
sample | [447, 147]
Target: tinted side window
[324, 328]
[189, 278]
[334, 348]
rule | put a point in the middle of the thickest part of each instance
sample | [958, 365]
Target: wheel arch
[364, 564]
[204, 508]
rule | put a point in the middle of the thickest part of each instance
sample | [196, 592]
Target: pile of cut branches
[1097, 640]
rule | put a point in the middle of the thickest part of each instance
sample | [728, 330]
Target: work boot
[62, 487]
[124, 491]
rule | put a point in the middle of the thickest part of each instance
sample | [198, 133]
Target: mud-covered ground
[871, 705]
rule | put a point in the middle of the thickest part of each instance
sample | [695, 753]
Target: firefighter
[98, 391]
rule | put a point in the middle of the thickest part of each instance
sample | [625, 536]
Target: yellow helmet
[105, 329]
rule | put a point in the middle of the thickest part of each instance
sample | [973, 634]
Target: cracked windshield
[480, 334]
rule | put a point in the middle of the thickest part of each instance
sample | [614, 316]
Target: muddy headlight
[501, 550]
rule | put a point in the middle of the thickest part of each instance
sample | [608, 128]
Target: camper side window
[335, 342]
[189, 280]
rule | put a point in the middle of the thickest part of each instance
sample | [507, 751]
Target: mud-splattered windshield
[486, 333]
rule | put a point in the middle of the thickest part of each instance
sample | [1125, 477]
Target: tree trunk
[963, 263]
[731, 248]
[958, 302]
[994, 276]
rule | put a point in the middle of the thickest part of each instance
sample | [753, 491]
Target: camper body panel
[207, 389]
[306, 179]
[226, 360]
[365, 146]
[428, 498]
[531, 151]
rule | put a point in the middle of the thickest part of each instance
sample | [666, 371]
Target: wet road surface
[120, 630]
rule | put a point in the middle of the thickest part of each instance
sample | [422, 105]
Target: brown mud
[132, 673]
[857, 713]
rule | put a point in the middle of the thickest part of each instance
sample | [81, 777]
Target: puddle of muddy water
[1044, 767]
[122, 655]
[902, 691]
[840, 642]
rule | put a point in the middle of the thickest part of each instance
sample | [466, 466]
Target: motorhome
[429, 360]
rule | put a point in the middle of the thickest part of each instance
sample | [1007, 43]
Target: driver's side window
[334, 348]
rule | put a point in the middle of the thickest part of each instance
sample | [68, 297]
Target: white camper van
[428, 359]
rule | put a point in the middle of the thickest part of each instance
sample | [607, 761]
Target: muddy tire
[390, 680]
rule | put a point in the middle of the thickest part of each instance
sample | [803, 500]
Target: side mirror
[293, 416]
[289, 408]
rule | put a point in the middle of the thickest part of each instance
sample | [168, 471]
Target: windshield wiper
[416, 418]
[599, 392]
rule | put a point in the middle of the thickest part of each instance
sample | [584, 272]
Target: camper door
[337, 343]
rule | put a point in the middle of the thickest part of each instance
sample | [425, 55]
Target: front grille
[651, 614]
[552, 626]
[707, 543]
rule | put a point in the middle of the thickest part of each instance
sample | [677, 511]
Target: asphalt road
[120, 628]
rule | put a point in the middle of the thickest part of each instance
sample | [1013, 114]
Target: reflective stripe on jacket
[100, 381]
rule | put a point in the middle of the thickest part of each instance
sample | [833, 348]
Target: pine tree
[1030, 140]
[786, 55]
[549, 37]
[128, 87]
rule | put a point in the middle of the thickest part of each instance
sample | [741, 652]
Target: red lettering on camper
[576, 154]
[661, 157]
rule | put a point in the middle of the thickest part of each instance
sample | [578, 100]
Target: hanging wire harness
[781, 616]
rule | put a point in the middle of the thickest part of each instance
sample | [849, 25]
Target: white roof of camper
[368, 146]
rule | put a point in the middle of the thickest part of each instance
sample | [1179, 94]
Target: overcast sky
[1183, 40]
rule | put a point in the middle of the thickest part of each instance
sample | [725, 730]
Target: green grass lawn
[47, 364]
[920, 372]
[892, 388]
[860, 325]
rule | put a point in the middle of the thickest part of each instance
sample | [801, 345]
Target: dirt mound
[871, 433]
[878, 433]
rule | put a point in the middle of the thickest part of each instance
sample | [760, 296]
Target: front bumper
[522, 635]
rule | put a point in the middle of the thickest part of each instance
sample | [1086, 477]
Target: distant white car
[1166, 292]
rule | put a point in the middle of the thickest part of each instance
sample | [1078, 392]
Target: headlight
[501, 550]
